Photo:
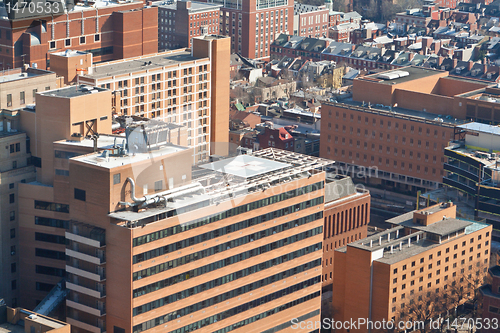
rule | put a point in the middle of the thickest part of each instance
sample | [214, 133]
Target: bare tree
[339, 5]
[464, 287]
[422, 307]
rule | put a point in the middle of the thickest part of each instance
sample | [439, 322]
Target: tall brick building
[109, 30]
[194, 257]
[253, 25]
[180, 21]
[310, 21]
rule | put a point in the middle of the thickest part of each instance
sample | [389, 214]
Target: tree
[339, 5]
[368, 10]
[441, 303]
[422, 307]
[465, 286]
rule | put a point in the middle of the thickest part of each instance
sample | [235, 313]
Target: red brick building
[253, 25]
[491, 301]
[108, 31]
[276, 138]
[398, 126]
[180, 21]
[310, 21]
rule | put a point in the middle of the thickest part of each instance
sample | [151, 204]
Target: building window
[82, 40]
[12, 215]
[9, 99]
[51, 206]
[67, 42]
[97, 38]
[52, 44]
[80, 194]
[44, 286]
[12, 198]
[51, 254]
[116, 178]
[13, 267]
[13, 233]
[13, 284]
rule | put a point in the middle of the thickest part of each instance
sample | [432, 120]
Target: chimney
[440, 60]
[470, 64]
[485, 68]
[353, 47]
[455, 62]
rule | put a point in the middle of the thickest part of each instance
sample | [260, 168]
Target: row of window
[228, 213]
[67, 42]
[346, 220]
[289, 323]
[454, 274]
[49, 222]
[51, 206]
[389, 125]
[445, 288]
[215, 318]
[65, 154]
[234, 276]
[226, 230]
[225, 247]
[438, 272]
[46, 270]
[51, 254]
[228, 313]
[439, 253]
[227, 295]
[49, 238]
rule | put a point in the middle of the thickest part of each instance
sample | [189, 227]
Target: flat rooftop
[73, 91]
[245, 166]
[196, 6]
[407, 246]
[227, 179]
[401, 112]
[414, 73]
[480, 127]
[495, 270]
[98, 159]
[69, 53]
[442, 228]
[4, 134]
[103, 142]
[92, 5]
[18, 76]
[156, 61]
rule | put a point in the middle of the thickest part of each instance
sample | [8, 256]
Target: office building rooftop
[412, 234]
[399, 112]
[157, 61]
[72, 91]
[196, 6]
[226, 179]
[7, 76]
